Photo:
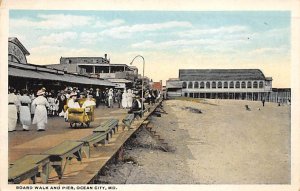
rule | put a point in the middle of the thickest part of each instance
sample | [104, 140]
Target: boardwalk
[33, 142]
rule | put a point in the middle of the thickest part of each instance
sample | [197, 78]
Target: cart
[80, 117]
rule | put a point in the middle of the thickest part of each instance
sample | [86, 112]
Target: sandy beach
[225, 144]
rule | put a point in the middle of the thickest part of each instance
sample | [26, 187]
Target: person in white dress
[88, 102]
[110, 98]
[25, 116]
[40, 113]
[13, 104]
[72, 103]
[129, 98]
[124, 99]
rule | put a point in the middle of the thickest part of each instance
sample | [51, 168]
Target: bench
[19, 173]
[66, 150]
[108, 127]
[128, 120]
[139, 113]
[93, 139]
[41, 161]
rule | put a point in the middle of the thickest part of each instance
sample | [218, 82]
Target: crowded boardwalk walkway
[57, 131]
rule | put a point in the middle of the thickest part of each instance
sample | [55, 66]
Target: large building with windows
[121, 75]
[248, 84]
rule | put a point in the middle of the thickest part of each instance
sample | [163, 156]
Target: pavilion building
[250, 84]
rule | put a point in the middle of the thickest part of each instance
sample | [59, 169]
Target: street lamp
[142, 79]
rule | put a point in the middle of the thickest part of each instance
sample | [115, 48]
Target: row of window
[220, 85]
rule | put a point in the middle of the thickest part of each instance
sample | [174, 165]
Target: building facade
[97, 67]
[122, 75]
[23, 75]
[250, 84]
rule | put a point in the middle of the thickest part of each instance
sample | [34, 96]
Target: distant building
[248, 84]
[174, 87]
[23, 75]
[156, 85]
[120, 74]
[16, 51]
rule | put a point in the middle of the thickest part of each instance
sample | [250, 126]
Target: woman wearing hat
[129, 98]
[25, 116]
[110, 98]
[124, 99]
[13, 104]
[40, 113]
[72, 103]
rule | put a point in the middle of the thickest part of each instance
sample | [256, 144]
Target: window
[219, 84]
[196, 85]
[184, 85]
[231, 85]
[190, 84]
[237, 84]
[249, 84]
[207, 85]
[243, 85]
[255, 84]
[213, 85]
[201, 85]
[225, 84]
[261, 84]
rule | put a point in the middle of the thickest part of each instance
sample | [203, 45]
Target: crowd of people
[28, 107]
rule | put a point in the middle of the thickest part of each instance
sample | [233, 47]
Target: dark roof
[43, 73]
[19, 44]
[220, 74]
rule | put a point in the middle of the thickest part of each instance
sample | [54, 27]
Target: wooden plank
[18, 173]
[64, 148]
[94, 138]
[109, 124]
[32, 159]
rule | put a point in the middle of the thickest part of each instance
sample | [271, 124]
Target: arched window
[196, 85]
[220, 85]
[201, 85]
[243, 85]
[249, 84]
[213, 85]
[207, 85]
[255, 84]
[261, 84]
[225, 84]
[190, 84]
[184, 85]
[231, 85]
[237, 84]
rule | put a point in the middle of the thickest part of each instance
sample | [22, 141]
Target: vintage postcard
[135, 95]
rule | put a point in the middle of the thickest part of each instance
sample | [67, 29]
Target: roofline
[84, 57]
[19, 44]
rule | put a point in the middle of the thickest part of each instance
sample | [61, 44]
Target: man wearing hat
[39, 105]
[136, 105]
[97, 95]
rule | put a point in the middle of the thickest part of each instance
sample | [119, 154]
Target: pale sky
[168, 40]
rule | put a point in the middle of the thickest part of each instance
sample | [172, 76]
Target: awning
[33, 74]
[17, 72]
[119, 80]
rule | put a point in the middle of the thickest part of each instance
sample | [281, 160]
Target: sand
[225, 144]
